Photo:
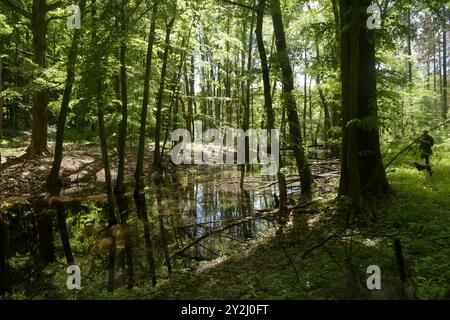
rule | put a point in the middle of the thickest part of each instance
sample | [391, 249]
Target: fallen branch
[222, 229]
[239, 222]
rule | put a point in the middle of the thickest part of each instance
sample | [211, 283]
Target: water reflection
[180, 208]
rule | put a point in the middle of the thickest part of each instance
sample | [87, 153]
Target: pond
[185, 210]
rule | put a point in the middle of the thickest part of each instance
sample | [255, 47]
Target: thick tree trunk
[295, 134]
[362, 169]
[157, 158]
[38, 143]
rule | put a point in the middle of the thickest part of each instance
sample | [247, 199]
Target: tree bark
[409, 47]
[157, 158]
[444, 74]
[53, 180]
[64, 234]
[38, 143]
[361, 165]
[295, 135]
[120, 189]
[139, 191]
[260, 9]
[1, 97]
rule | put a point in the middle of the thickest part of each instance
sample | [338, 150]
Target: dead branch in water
[270, 214]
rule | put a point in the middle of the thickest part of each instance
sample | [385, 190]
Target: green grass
[418, 210]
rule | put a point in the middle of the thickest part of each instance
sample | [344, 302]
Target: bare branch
[16, 8]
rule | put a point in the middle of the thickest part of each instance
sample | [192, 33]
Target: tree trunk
[44, 225]
[120, 189]
[53, 180]
[139, 192]
[409, 47]
[157, 158]
[64, 234]
[362, 168]
[444, 74]
[112, 219]
[260, 9]
[305, 98]
[1, 97]
[295, 135]
[38, 143]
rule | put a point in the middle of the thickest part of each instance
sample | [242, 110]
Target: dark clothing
[426, 142]
[426, 157]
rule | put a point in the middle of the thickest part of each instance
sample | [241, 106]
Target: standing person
[426, 143]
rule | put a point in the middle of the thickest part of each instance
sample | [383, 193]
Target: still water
[184, 206]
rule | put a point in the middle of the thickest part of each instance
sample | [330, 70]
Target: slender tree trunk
[305, 97]
[434, 67]
[260, 9]
[409, 47]
[1, 97]
[444, 74]
[120, 189]
[246, 120]
[53, 180]
[440, 65]
[139, 191]
[191, 95]
[64, 234]
[335, 108]
[109, 188]
[295, 135]
[326, 112]
[157, 158]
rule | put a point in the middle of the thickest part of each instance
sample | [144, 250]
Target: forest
[112, 186]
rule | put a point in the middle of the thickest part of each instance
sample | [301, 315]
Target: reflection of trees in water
[162, 229]
[187, 206]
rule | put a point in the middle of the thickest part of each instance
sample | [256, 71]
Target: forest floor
[305, 261]
[308, 258]
[81, 169]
